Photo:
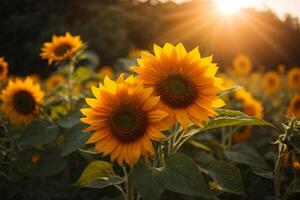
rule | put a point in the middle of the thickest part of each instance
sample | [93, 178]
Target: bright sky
[280, 7]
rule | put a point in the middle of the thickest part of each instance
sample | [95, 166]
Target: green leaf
[295, 142]
[50, 163]
[144, 179]
[226, 175]
[230, 90]
[105, 182]
[233, 118]
[82, 74]
[263, 173]
[245, 154]
[39, 133]
[182, 175]
[74, 138]
[71, 120]
[96, 170]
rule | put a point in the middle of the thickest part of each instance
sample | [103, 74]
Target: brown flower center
[128, 123]
[297, 105]
[23, 102]
[1, 69]
[271, 81]
[296, 78]
[62, 50]
[177, 91]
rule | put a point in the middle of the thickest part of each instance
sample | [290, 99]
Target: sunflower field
[164, 120]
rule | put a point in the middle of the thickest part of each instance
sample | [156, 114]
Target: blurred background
[267, 31]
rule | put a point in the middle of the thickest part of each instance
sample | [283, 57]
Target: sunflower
[242, 95]
[21, 101]
[54, 81]
[253, 107]
[125, 119]
[185, 82]
[271, 82]
[242, 135]
[3, 68]
[294, 107]
[242, 65]
[133, 52]
[61, 47]
[35, 78]
[294, 78]
[106, 71]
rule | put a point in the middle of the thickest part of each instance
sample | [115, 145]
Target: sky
[280, 7]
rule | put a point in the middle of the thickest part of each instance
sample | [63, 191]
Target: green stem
[70, 71]
[126, 184]
[278, 165]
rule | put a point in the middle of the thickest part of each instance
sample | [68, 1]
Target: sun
[229, 6]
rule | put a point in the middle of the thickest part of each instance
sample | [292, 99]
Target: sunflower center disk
[297, 105]
[129, 123]
[177, 91]
[62, 50]
[124, 121]
[1, 69]
[23, 102]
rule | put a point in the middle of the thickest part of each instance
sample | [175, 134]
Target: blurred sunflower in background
[61, 47]
[242, 65]
[3, 68]
[185, 82]
[106, 71]
[242, 135]
[125, 119]
[294, 78]
[271, 82]
[242, 95]
[281, 69]
[294, 107]
[54, 81]
[21, 101]
[253, 107]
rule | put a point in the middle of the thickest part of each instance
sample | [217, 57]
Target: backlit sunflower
[242, 65]
[3, 68]
[125, 119]
[106, 71]
[253, 107]
[294, 78]
[271, 82]
[54, 81]
[21, 101]
[294, 107]
[185, 82]
[61, 47]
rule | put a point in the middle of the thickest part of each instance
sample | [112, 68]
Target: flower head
[3, 68]
[242, 65]
[271, 82]
[294, 78]
[124, 119]
[185, 82]
[21, 101]
[61, 47]
[294, 107]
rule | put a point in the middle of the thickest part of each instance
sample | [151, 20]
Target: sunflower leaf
[182, 175]
[226, 175]
[98, 174]
[74, 138]
[38, 133]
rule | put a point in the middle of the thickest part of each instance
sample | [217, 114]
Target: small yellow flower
[185, 82]
[294, 78]
[61, 47]
[271, 82]
[124, 119]
[294, 107]
[21, 101]
[242, 65]
[54, 81]
[3, 68]
[106, 71]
